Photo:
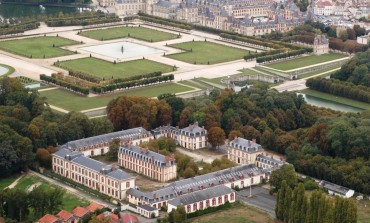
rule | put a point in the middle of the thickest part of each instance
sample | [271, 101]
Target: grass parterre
[204, 52]
[38, 47]
[108, 70]
[140, 33]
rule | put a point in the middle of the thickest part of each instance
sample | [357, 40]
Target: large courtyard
[108, 70]
[141, 33]
[201, 52]
[38, 47]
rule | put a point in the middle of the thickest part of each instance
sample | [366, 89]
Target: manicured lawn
[73, 102]
[105, 69]
[38, 47]
[342, 100]
[141, 33]
[216, 80]
[200, 52]
[10, 70]
[70, 201]
[305, 61]
[319, 72]
[238, 214]
[247, 71]
[7, 181]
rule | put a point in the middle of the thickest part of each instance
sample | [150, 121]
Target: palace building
[243, 151]
[144, 161]
[106, 179]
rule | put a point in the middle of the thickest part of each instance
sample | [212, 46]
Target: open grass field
[7, 181]
[38, 47]
[73, 102]
[305, 61]
[200, 52]
[140, 33]
[237, 214]
[105, 69]
[342, 100]
[70, 201]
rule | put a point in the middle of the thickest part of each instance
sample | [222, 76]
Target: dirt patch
[145, 184]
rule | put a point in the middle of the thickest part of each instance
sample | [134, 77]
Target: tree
[279, 209]
[299, 205]
[112, 153]
[234, 133]
[216, 136]
[16, 204]
[44, 157]
[8, 158]
[101, 126]
[179, 215]
[287, 173]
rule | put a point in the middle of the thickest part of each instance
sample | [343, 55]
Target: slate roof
[91, 163]
[147, 207]
[245, 145]
[208, 193]
[146, 155]
[193, 130]
[95, 140]
[165, 129]
[334, 187]
[269, 160]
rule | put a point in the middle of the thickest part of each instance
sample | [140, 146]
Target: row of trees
[65, 84]
[340, 88]
[21, 27]
[293, 205]
[83, 20]
[283, 55]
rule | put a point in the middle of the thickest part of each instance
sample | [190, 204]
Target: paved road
[260, 199]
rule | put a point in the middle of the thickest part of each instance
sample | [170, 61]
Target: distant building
[365, 40]
[210, 197]
[268, 162]
[193, 137]
[320, 45]
[337, 190]
[243, 151]
[324, 7]
[144, 161]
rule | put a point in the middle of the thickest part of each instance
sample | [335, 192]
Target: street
[260, 199]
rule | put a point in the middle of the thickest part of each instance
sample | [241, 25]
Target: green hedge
[83, 20]
[208, 210]
[19, 28]
[65, 84]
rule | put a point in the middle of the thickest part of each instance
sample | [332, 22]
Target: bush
[310, 185]
[208, 210]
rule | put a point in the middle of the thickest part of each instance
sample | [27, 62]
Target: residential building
[243, 151]
[144, 161]
[199, 200]
[147, 211]
[268, 161]
[193, 137]
[337, 190]
[240, 176]
[66, 216]
[92, 207]
[48, 218]
[320, 45]
[108, 217]
[324, 7]
[106, 179]
[80, 212]
[99, 145]
[365, 40]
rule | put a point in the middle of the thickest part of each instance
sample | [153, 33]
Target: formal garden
[205, 52]
[38, 47]
[137, 32]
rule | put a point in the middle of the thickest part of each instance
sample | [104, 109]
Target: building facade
[144, 161]
[96, 175]
[243, 151]
[193, 137]
[320, 45]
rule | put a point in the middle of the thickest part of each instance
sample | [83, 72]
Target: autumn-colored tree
[216, 136]
[184, 118]
[249, 132]
[213, 117]
[44, 157]
[235, 133]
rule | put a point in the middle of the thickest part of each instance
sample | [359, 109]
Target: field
[141, 33]
[206, 53]
[73, 102]
[38, 47]
[107, 70]
[305, 61]
[7, 181]
[238, 214]
[70, 201]
[342, 100]
[363, 210]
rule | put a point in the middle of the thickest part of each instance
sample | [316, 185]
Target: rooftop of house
[80, 211]
[92, 207]
[269, 160]
[65, 215]
[147, 207]
[334, 187]
[245, 145]
[208, 193]
[164, 129]
[108, 217]
[193, 130]
[129, 218]
[146, 155]
[48, 218]
[95, 140]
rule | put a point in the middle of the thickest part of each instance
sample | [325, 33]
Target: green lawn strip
[105, 69]
[140, 33]
[7, 181]
[318, 72]
[247, 71]
[196, 85]
[71, 201]
[203, 52]
[38, 47]
[305, 61]
[74, 102]
[341, 100]
[262, 71]
[26, 182]
[10, 70]
[216, 80]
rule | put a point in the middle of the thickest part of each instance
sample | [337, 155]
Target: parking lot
[260, 199]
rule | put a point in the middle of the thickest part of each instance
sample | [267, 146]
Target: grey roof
[119, 174]
[334, 187]
[146, 155]
[91, 164]
[245, 145]
[147, 207]
[208, 193]
[269, 160]
[166, 4]
[193, 130]
[124, 135]
[165, 129]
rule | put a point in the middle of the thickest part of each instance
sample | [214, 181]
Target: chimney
[254, 140]
[129, 146]
[141, 150]
[191, 127]
[113, 167]
[249, 143]
[196, 123]
[146, 150]
[177, 127]
[152, 159]
[167, 160]
[235, 138]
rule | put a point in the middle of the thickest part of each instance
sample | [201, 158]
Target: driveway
[260, 199]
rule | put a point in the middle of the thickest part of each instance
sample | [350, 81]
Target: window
[207, 203]
[127, 184]
[195, 207]
[214, 202]
[219, 200]
[226, 198]
[188, 209]
[232, 196]
[201, 205]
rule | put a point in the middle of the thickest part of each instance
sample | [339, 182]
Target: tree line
[294, 206]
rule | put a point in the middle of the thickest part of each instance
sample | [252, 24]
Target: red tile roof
[110, 217]
[80, 212]
[65, 215]
[48, 218]
[129, 218]
[94, 206]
